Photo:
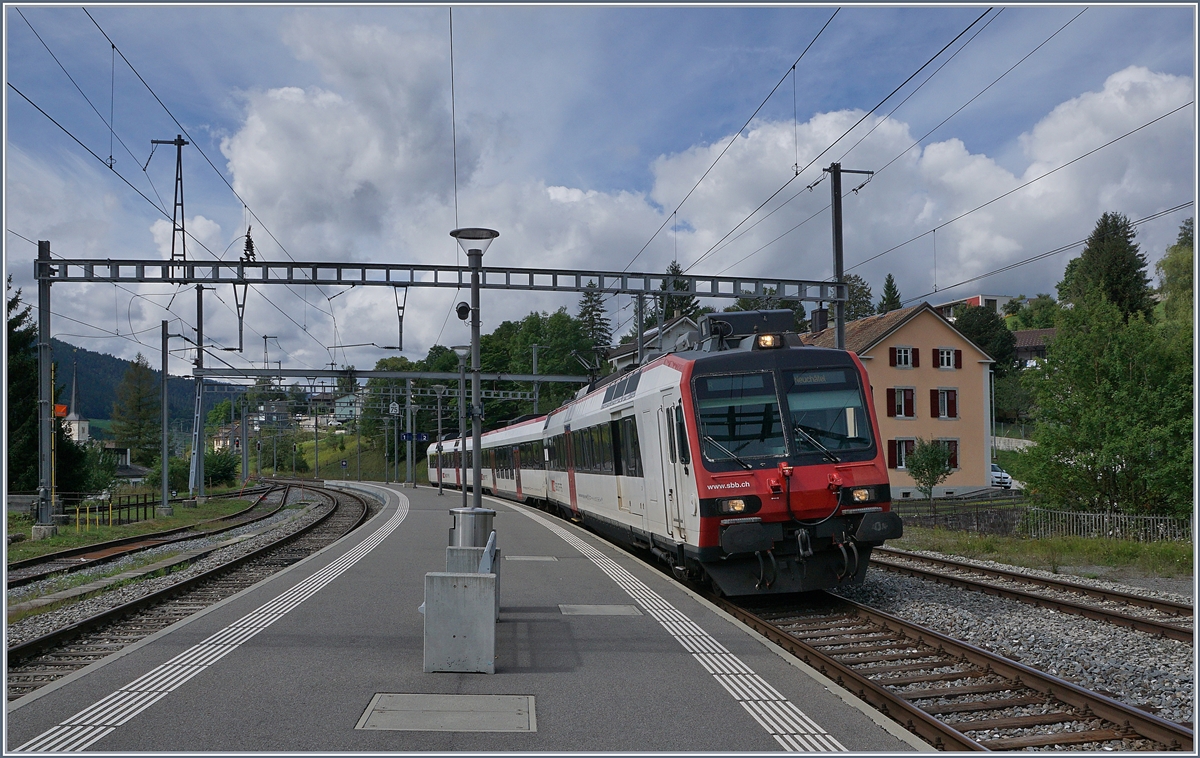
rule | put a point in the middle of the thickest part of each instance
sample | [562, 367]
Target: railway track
[1147, 614]
[24, 572]
[952, 694]
[41, 661]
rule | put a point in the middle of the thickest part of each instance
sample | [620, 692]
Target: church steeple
[79, 427]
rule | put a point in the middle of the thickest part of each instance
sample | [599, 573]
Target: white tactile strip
[94, 722]
[790, 727]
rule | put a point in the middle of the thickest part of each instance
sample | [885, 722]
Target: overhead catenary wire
[836, 141]
[1047, 254]
[897, 156]
[1022, 186]
[732, 140]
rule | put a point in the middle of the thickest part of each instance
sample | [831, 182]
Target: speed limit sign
[394, 408]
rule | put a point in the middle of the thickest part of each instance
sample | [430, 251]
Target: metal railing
[1039, 522]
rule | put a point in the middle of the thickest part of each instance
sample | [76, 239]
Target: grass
[69, 536]
[344, 447]
[1165, 559]
[1014, 463]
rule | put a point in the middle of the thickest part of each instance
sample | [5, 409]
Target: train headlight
[768, 341]
[850, 496]
[733, 505]
[742, 505]
[860, 494]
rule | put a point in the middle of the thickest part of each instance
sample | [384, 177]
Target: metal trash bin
[472, 527]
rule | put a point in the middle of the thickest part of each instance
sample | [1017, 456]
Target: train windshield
[739, 416]
[827, 410]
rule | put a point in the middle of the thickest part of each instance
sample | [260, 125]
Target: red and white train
[747, 459]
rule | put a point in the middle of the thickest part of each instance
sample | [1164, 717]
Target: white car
[1000, 477]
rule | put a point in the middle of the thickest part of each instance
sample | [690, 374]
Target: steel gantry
[242, 273]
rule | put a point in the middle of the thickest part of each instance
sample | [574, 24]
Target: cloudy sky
[577, 133]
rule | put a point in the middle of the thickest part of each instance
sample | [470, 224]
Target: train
[742, 458]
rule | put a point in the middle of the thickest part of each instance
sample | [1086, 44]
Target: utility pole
[536, 385]
[409, 475]
[45, 523]
[177, 216]
[835, 188]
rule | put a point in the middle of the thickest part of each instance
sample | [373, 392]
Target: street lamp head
[473, 238]
[463, 311]
[440, 389]
[462, 351]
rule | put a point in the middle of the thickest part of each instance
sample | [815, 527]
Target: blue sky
[579, 130]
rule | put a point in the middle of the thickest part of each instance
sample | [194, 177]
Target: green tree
[22, 395]
[1014, 402]
[346, 383]
[986, 329]
[670, 305]
[1037, 313]
[859, 304]
[220, 467]
[136, 423]
[597, 328]
[928, 465]
[178, 472]
[890, 300]
[1111, 265]
[1113, 414]
[1175, 276]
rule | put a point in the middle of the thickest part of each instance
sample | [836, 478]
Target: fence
[1039, 522]
[996, 515]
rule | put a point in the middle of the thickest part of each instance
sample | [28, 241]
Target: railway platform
[595, 651]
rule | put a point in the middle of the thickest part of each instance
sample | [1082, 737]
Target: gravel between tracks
[1130, 666]
[284, 523]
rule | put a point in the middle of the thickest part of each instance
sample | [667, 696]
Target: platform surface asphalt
[595, 651]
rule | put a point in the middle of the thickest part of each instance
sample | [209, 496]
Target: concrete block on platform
[460, 622]
[44, 532]
[465, 560]
[163, 511]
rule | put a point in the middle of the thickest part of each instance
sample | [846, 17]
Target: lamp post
[536, 385]
[474, 242]
[461, 351]
[440, 389]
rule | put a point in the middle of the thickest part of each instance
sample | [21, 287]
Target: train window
[606, 447]
[685, 456]
[618, 456]
[670, 436]
[739, 416]
[827, 410]
[631, 456]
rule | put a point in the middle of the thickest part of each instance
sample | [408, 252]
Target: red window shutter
[910, 409]
[916, 357]
[934, 410]
[891, 402]
[891, 453]
[952, 403]
[957, 359]
[909, 446]
[891, 356]
[953, 445]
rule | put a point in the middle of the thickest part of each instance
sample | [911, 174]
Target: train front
[793, 486]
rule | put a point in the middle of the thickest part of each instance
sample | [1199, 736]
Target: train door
[571, 468]
[651, 466]
[619, 473]
[516, 454]
[670, 463]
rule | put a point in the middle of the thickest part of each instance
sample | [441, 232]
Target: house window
[952, 446]
[901, 402]
[898, 452]
[943, 403]
[949, 358]
[904, 357]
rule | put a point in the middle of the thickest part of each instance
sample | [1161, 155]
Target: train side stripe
[781, 718]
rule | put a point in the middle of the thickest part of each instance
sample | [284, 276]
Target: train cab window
[670, 436]
[739, 416]
[827, 410]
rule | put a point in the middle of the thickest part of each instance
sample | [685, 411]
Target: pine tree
[669, 305]
[859, 303]
[135, 415]
[596, 325]
[22, 396]
[1111, 265]
[890, 300]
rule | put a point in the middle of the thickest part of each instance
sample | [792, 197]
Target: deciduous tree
[1113, 414]
[22, 395]
[1175, 276]
[986, 329]
[929, 465]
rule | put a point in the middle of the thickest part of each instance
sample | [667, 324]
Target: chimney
[819, 320]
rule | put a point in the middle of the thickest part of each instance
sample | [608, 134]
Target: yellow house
[928, 381]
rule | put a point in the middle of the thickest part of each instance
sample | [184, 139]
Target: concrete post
[44, 527]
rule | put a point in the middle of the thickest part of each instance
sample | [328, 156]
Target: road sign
[344, 464]
[394, 408]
